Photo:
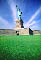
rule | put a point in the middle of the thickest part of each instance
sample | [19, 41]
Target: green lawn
[21, 47]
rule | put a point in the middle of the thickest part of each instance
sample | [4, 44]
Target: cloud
[2, 20]
[35, 27]
[4, 23]
[13, 8]
[28, 25]
[34, 15]
[31, 20]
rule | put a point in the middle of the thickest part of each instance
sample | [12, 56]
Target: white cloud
[13, 8]
[2, 20]
[31, 20]
[35, 27]
[4, 23]
[34, 15]
[28, 25]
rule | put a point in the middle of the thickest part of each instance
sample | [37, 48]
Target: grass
[20, 47]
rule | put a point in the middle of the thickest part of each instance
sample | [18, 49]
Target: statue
[19, 12]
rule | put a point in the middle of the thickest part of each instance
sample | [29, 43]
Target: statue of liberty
[19, 12]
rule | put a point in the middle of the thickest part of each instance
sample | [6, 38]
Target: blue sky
[31, 13]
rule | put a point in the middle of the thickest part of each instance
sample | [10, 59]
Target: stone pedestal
[19, 24]
[24, 31]
[20, 30]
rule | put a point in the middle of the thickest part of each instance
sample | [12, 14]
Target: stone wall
[36, 32]
[24, 31]
[7, 32]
